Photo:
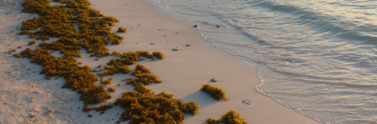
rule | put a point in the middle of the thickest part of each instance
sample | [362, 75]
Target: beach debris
[32, 115]
[196, 26]
[288, 60]
[298, 110]
[175, 49]
[159, 29]
[246, 102]
[176, 32]
[122, 30]
[89, 115]
[152, 43]
[188, 45]
[164, 35]
[118, 84]
[97, 59]
[139, 24]
[19, 47]
[213, 80]
[218, 26]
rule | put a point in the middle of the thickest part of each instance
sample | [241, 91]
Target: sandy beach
[27, 97]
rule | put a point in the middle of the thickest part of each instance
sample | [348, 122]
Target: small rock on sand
[213, 80]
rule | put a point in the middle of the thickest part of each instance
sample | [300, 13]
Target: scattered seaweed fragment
[31, 43]
[114, 69]
[230, 117]
[17, 55]
[110, 89]
[214, 91]
[102, 107]
[122, 30]
[106, 82]
[143, 75]
[159, 55]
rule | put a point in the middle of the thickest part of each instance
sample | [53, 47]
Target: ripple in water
[316, 57]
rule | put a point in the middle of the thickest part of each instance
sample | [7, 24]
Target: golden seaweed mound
[122, 30]
[230, 117]
[214, 91]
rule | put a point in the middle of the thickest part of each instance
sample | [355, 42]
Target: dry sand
[26, 97]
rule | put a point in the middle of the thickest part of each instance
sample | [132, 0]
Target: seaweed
[114, 69]
[17, 55]
[230, 117]
[122, 30]
[159, 55]
[110, 89]
[214, 91]
[107, 82]
[144, 107]
[102, 107]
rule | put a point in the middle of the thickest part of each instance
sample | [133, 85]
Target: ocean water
[317, 57]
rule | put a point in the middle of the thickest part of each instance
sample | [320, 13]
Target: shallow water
[317, 57]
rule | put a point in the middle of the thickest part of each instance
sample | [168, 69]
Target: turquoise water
[317, 57]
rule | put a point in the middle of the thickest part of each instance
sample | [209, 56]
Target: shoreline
[183, 72]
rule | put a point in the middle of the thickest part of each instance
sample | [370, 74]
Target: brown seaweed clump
[102, 107]
[31, 43]
[106, 82]
[143, 75]
[145, 107]
[159, 55]
[230, 117]
[122, 30]
[110, 89]
[214, 91]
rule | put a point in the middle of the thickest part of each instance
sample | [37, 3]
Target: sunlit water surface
[317, 57]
